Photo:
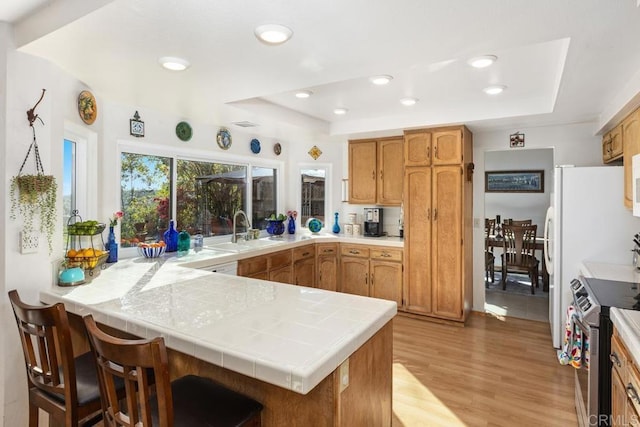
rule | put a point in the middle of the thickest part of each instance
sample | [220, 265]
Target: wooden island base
[366, 401]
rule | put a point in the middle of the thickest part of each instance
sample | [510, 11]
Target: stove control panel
[587, 308]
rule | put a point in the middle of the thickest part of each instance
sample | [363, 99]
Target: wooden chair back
[48, 353]
[134, 361]
[519, 245]
[517, 222]
[489, 226]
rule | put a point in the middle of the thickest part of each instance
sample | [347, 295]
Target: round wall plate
[87, 107]
[277, 148]
[184, 131]
[255, 146]
[224, 139]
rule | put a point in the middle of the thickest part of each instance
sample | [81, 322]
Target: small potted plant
[275, 224]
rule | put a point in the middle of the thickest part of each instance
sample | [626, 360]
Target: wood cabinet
[276, 266]
[426, 147]
[438, 221]
[631, 147]
[376, 171]
[625, 385]
[327, 266]
[612, 147]
[374, 272]
[304, 266]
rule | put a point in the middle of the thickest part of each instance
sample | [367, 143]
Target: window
[202, 195]
[69, 193]
[312, 194]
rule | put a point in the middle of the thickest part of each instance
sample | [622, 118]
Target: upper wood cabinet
[376, 171]
[612, 147]
[631, 144]
[428, 147]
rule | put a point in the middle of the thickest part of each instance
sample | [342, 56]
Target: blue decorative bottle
[112, 246]
[291, 225]
[184, 243]
[336, 226]
[171, 237]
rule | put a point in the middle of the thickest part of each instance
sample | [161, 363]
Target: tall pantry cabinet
[438, 213]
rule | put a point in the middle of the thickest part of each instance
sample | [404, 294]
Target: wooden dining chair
[187, 401]
[519, 253]
[65, 387]
[489, 257]
[511, 221]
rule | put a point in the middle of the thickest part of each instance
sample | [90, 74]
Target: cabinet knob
[371, 279]
[615, 359]
[373, 175]
[632, 393]
[305, 253]
[435, 214]
[353, 251]
[385, 254]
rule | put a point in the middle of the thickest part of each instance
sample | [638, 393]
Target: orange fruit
[71, 253]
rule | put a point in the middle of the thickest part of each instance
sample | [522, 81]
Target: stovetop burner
[612, 293]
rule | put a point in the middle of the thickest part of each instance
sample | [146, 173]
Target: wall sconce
[516, 140]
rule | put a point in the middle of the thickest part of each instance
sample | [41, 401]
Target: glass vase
[184, 243]
[112, 246]
[275, 227]
[171, 237]
[291, 226]
[336, 226]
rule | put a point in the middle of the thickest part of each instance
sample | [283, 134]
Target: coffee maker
[373, 222]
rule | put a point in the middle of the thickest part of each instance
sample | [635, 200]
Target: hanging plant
[35, 195]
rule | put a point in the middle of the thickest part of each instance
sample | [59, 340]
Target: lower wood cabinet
[327, 266]
[276, 266]
[625, 385]
[374, 272]
[304, 266]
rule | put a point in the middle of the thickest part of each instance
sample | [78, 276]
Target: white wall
[572, 144]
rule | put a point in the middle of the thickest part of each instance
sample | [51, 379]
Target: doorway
[530, 203]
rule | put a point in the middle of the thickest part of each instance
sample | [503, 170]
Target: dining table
[497, 241]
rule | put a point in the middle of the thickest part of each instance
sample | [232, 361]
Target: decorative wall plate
[87, 107]
[255, 146]
[277, 148]
[184, 131]
[224, 139]
[315, 152]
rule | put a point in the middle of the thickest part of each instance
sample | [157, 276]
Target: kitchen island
[311, 357]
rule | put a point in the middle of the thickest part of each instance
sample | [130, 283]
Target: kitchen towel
[575, 350]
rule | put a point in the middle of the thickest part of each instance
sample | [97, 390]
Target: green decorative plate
[183, 131]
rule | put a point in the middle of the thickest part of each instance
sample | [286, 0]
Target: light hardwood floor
[492, 372]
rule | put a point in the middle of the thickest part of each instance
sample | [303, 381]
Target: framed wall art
[524, 181]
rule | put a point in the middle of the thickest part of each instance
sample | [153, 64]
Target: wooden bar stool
[65, 387]
[188, 401]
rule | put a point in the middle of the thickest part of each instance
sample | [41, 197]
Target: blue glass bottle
[336, 226]
[291, 226]
[112, 246]
[184, 243]
[171, 237]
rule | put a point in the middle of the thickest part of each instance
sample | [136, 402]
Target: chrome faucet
[234, 238]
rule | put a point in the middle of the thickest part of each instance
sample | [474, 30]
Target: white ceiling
[562, 61]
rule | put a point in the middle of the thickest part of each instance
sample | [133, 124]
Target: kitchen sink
[245, 245]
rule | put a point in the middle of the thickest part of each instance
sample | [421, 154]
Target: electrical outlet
[29, 242]
[344, 375]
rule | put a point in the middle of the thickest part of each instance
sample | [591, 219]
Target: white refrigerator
[587, 221]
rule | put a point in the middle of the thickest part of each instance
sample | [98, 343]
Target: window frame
[197, 155]
[328, 207]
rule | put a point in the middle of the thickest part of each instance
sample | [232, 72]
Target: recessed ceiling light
[340, 111]
[173, 63]
[494, 90]
[381, 80]
[409, 101]
[273, 33]
[482, 61]
[303, 94]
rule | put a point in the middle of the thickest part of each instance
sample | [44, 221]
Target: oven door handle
[575, 321]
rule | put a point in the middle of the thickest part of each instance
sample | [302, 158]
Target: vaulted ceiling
[561, 61]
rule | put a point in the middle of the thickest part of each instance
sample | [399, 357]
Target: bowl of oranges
[87, 258]
[151, 250]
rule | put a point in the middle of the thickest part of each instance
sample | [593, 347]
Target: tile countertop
[627, 322]
[290, 336]
[606, 271]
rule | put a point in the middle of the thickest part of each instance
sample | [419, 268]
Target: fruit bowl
[151, 251]
[88, 262]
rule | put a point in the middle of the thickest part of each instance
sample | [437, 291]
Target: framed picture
[526, 181]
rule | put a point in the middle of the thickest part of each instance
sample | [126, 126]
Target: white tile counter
[627, 322]
[286, 335]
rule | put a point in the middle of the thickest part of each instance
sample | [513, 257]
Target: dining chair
[489, 257]
[65, 387]
[519, 253]
[511, 221]
[187, 401]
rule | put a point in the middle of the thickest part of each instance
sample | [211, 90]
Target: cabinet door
[362, 172]
[447, 241]
[417, 149]
[327, 276]
[616, 142]
[606, 147]
[386, 281]
[390, 171]
[304, 273]
[618, 400]
[417, 239]
[631, 142]
[282, 275]
[447, 147]
[354, 276]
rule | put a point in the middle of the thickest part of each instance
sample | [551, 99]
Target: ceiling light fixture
[273, 33]
[409, 101]
[303, 94]
[494, 90]
[380, 80]
[173, 63]
[340, 111]
[482, 61]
